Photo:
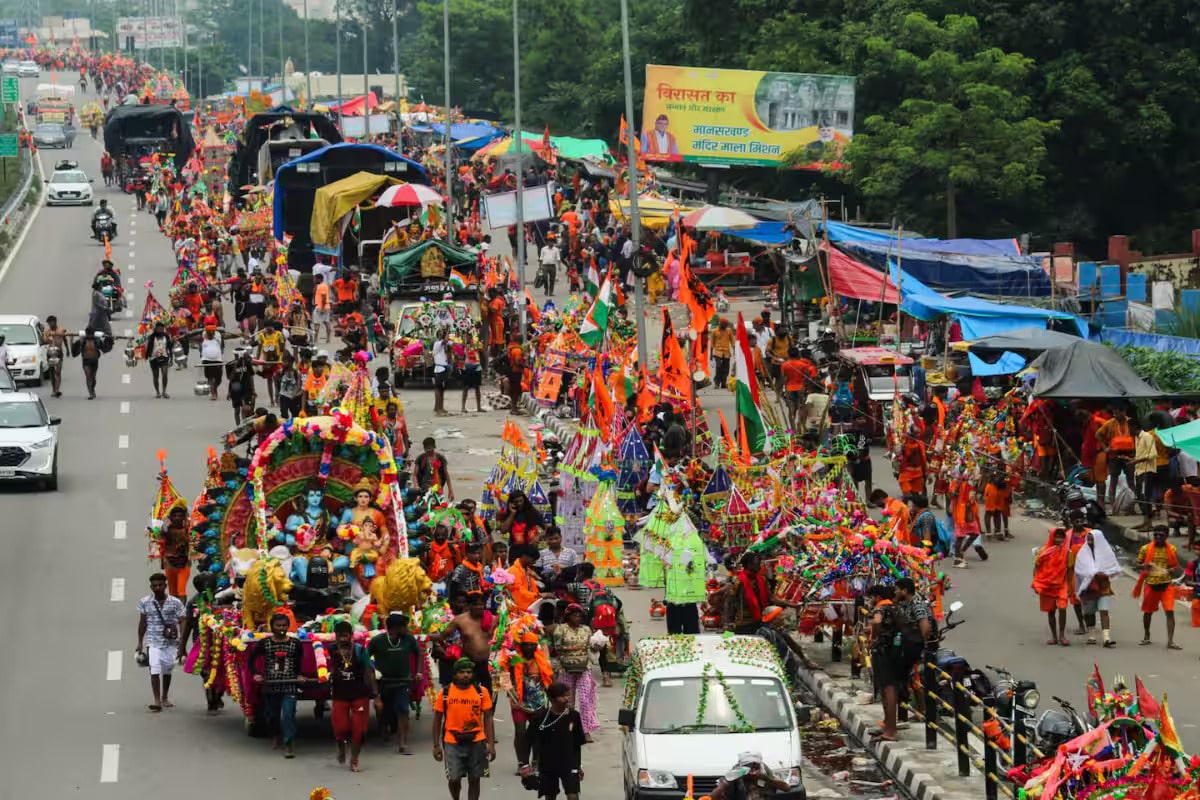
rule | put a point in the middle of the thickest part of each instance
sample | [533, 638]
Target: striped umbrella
[408, 194]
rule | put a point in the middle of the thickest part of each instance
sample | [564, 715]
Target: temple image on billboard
[788, 102]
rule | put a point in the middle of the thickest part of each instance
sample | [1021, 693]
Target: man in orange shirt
[524, 590]
[722, 351]
[463, 730]
[321, 309]
[798, 375]
[346, 289]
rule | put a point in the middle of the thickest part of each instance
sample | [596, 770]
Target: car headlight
[656, 779]
[1031, 699]
[791, 776]
[43, 444]
[28, 360]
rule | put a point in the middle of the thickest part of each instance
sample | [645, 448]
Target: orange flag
[534, 313]
[726, 436]
[604, 401]
[700, 354]
[745, 445]
[692, 291]
[674, 378]
[645, 399]
[107, 248]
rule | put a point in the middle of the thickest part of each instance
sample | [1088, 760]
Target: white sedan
[69, 187]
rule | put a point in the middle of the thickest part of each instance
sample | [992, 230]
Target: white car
[26, 350]
[28, 441]
[29, 69]
[69, 187]
[10, 68]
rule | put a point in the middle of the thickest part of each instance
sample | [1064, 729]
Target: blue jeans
[281, 715]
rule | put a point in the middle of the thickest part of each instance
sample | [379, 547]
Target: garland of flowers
[322, 660]
[754, 652]
[661, 651]
[709, 671]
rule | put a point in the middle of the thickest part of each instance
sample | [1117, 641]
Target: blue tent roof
[978, 318]
[763, 232]
[841, 232]
[316, 155]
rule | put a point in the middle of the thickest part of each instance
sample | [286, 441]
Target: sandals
[1091, 640]
[354, 765]
[1052, 642]
[154, 707]
[1064, 643]
[1144, 642]
[1173, 646]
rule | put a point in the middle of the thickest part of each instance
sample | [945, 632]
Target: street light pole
[396, 53]
[307, 66]
[262, 48]
[635, 222]
[446, 121]
[520, 170]
[338, 55]
[366, 109]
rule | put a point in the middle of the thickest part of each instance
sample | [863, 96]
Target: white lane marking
[132, 255]
[130, 296]
[119, 525]
[117, 593]
[124, 406]
[126, 378]
[113, 671]
[131, 269]
[122, 483]
[129, 313]
[128, 332]
[123, 442]
[110, 762]
[129, 280]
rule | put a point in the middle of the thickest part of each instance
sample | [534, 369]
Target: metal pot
[54, 355]
[201, 389]
[130, 356]
[180, 356]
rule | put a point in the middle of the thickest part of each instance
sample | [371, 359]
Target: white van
[693, 703]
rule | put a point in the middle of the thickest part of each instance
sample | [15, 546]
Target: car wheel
[52, 481]
[37, 382]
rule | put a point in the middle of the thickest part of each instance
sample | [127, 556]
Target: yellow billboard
[736, 116]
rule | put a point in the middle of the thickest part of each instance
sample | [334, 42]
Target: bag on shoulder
[602, 609]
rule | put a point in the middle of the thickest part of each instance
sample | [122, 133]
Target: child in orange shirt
[997, 505]
[1178, 510]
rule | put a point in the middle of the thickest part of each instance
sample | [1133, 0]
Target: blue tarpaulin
[1007, 364]
[841, 232]
[1175, 344]
[763, 233]
[978, 318]
[1011, 276]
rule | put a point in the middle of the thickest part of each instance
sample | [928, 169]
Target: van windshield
[673, 705]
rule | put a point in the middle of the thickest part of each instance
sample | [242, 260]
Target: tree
[962, 132]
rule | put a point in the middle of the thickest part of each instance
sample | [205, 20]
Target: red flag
[1147, 705]
[1095, 686]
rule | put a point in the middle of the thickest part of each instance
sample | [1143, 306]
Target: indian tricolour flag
[457, 279]
[746, 392]
[595, 324]
[592, 284]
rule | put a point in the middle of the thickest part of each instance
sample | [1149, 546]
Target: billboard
[735, 116]
[147, 32]
[8, 33]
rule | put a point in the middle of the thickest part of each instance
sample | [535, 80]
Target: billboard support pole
[635, 222]
[520, 172]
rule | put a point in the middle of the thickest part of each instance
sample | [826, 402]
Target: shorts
[840, 414]
[213, 373]
[269, 370]
[888, 669]
[440, 379]
[548, 782]
[350, 719]
[1098, 603]
[177, 580]
[1051, 602]
[161, 362]
[472, 378]
[860, 471]
[320, 315]
[1152, 599]
[465, 760]
[396, 701]
[162, 659]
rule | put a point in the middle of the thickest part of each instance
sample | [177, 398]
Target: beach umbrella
[408, 194]
[715, 218]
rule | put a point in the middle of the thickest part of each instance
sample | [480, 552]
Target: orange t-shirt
[796, 371]
[463, 710]
[321, 297]
[524, 591]
[346, 290]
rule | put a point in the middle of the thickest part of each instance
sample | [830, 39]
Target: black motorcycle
[1015, 703]
[1059, 726]
[104, 227]
[954, 669]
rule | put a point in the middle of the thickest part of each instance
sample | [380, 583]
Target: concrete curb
[562, 429]
[890, 755]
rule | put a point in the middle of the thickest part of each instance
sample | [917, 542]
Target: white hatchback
[26, 350]
[69, 187]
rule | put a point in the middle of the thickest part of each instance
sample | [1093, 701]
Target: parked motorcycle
[1058, 726]
[959, 670]
[1015, 703]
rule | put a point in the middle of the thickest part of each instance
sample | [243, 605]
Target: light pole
[249, 45]
[307, 66]
[366, 81]
[262, 50]
[396, 52]
[446, 122]
[635, 222]
[337, 7]
[520, 169]
[282, 78]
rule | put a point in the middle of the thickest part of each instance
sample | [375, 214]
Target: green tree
[961, 134]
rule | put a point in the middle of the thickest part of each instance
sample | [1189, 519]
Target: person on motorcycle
[101, 213]
[750, 779]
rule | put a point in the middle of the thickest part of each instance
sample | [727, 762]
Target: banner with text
[734, 116]
[148, 32]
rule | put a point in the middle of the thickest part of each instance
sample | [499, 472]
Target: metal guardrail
[14, 201]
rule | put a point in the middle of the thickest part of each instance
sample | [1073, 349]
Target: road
[75, 721]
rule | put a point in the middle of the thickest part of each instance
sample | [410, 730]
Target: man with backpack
[463, 732]
[895, 635]
[603, 612]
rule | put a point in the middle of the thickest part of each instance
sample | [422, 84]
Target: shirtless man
[54, 336]
[475, 626]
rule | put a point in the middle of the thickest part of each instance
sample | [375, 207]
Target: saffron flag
[746, 392]
[595, 324]
[674, 380]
